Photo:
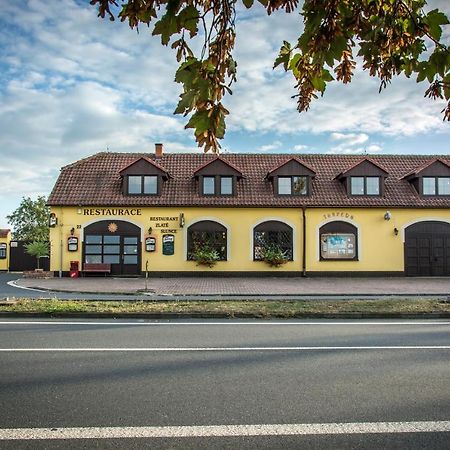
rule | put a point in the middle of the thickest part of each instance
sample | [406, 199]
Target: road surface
[224, 384]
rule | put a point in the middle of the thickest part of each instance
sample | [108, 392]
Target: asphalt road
[9, 291]
[365, 384]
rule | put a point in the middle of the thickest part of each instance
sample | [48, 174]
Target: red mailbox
[74, 269]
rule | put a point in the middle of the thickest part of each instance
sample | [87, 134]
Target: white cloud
[273, 146]
[350, 143]
[300, 147]
[73, 84]
[350, 138]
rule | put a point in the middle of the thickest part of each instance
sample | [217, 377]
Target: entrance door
[116, 243]
[427, 249]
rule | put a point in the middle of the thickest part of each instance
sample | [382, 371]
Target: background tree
[391, 37]
[30, 220]
[38, 249]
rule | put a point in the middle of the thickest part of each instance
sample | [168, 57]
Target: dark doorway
[427, 249]
[114, 242]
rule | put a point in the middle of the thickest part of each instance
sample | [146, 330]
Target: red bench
[96, 268]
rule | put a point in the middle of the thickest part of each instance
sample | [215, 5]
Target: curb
[156, 316]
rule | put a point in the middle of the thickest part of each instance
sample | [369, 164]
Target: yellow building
[5, 239]
[191, 214]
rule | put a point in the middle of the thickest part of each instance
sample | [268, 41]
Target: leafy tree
[392, 37]
[37, 249]
[30, 220]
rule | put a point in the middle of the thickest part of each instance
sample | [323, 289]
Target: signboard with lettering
[168, 244]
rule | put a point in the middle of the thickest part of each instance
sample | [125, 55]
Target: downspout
[304, 242]
[61, 246]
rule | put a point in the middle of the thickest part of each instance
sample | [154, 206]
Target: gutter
[304, 242]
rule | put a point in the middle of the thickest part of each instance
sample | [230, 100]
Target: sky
[72, 84]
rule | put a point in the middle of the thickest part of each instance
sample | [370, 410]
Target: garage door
[427, 249]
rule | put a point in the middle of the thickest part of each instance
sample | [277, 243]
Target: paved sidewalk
[268, 286]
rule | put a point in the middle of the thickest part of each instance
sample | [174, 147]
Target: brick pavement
[268, 286]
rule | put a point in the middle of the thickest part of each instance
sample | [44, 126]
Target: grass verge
[263, 309]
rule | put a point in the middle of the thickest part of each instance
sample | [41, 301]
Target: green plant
[205, 256]
[38, 249]
[273, 255]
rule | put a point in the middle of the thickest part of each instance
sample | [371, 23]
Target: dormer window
[143, 177]
[364, 185]
[143, 184]
[364, 179]
[218, 185]
[291, 177]
[218, 178]
[295, 185]
[436, 185]
[432, 179]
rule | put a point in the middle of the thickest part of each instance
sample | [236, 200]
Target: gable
[144, 166]
[218, 167]
[364, 168]
[291, 167]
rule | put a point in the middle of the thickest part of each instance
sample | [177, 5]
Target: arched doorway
[427, 249]
[114, 242]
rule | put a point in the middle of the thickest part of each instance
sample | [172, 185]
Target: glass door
[130, 255]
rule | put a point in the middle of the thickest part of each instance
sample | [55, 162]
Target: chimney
[158, 150]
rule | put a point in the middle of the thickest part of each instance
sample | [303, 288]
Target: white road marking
[224, 430]
[229, 323]
[13, 284]
[223, 349]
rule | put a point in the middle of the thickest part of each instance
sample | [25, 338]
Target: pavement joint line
[229, 323]
[200, 431]
[220, 349]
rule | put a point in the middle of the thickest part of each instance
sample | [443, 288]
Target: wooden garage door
[427, 249]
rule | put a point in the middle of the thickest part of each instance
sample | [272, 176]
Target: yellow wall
[379, 249]
[4, 263]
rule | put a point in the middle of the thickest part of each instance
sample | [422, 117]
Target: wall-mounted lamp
[72, 231]
[150, 229]
[387, 215]
[396, 231]
[181, 222]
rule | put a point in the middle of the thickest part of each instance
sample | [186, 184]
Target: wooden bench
[96, 268]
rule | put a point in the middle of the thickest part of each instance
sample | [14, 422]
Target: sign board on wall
[337, 246]
[168, 244]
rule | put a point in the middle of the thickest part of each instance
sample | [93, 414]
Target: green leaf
[318, 84]
[434, 19]
[200, 121]
[326, 75]
[337, 47]
[166, 27]
[188, 19]
[283, 56]
[440, 60]
[186, 103]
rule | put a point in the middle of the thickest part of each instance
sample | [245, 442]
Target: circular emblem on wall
[112, 227]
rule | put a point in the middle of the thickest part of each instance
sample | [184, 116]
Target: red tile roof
[4, 232]
[95, 181]
[423, 166]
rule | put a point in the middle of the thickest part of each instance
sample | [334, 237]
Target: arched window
[338, 240]
[207, 235]
[272, 234]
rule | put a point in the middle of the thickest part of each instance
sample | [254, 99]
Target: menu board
[168, 244]
[338, 246]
